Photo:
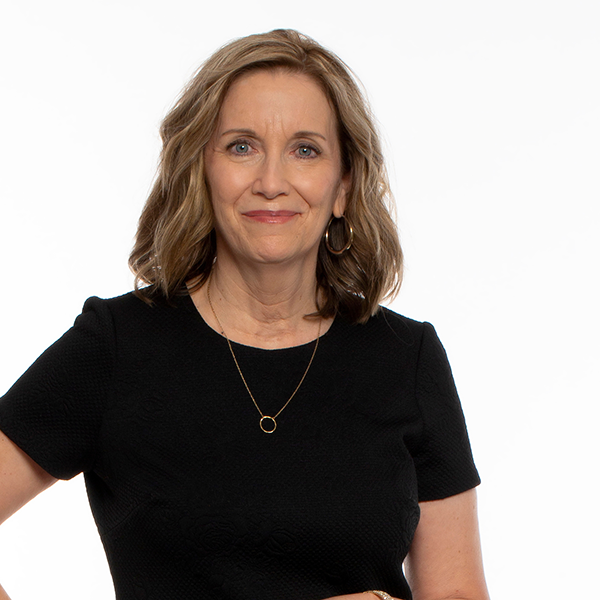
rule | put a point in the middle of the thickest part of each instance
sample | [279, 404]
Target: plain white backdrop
[490, 115]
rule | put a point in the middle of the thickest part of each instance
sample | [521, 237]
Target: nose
[271, 180]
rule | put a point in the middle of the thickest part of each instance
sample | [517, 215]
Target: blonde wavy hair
[175, 241]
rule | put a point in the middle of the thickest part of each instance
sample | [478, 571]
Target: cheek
[225, 184]
[319, 188]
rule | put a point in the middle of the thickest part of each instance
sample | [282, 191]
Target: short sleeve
[54, 411]
[442, 452]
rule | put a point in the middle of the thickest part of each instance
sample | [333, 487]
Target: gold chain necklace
[267, 423]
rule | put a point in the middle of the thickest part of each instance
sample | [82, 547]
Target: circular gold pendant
[268, 424]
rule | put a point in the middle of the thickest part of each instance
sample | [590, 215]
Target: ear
[339, 206]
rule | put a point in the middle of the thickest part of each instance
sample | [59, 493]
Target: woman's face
[274, 169]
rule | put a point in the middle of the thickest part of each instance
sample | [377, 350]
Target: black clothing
[193, 501]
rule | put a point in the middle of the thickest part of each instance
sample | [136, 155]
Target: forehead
[269, 97]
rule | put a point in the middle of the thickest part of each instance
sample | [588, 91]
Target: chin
[277, 256]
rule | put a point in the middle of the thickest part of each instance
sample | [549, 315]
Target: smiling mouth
[270, 216]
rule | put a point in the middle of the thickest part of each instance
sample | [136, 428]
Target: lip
[270, 216]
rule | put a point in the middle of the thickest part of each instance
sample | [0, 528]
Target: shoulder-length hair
[175, 242]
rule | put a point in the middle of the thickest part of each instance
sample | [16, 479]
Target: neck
[262, 305]
[267, 294]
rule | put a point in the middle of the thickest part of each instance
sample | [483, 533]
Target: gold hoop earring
[350, 236]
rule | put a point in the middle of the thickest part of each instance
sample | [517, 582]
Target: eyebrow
[252, 133]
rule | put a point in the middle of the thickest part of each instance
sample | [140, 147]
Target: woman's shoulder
[130, 314]
[135, 303]
[127, 301]
[121, 302]
[397, 327]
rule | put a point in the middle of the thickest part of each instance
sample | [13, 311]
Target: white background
[490, 113]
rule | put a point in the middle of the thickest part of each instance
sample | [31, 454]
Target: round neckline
[190, 306]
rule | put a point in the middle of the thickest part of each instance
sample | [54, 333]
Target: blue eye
[239, 147]
[305, 151]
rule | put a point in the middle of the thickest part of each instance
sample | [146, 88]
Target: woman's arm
[21, 479]
[444, 561]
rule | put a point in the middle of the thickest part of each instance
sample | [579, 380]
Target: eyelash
[244, 142]
[310, 147]
[236, 143]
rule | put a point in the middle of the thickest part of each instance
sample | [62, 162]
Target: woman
[251, 424]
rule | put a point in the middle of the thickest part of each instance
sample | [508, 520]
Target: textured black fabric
[193, 500]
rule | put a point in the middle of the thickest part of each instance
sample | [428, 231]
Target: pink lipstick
[276, 217]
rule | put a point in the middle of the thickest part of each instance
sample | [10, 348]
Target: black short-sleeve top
[193, 500]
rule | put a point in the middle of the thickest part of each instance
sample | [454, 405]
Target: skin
[21, 479]
[274, 171]
[273, 167]
[264, 277]
[444, 561]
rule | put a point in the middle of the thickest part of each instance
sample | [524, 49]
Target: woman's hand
[361, 596]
